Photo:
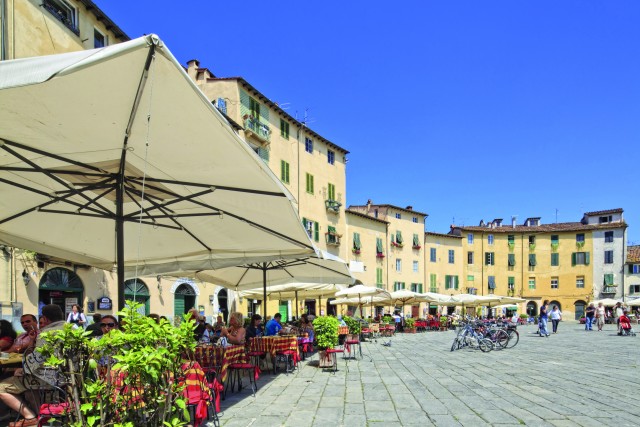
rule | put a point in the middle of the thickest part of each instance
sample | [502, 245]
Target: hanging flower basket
[356, 251]
[418, 247]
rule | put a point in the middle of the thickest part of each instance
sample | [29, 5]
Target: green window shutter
[378, 275]
[555, 260]
[331, 229]
[304, 222]
[331, 191]
[487, 258]
[608, 279]
[455, 282]
[399, 237]
[447, 281]
[511, 281]
[245, 103]
[416, 240]
[316, 231]
[378, 245]
[573, 258]
[356, 241]
[630, 268]
[393, 238]
[512, 260]
[532, 260]
[586, 258]
[432, 280]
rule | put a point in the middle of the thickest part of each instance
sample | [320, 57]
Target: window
[491, 283]
[511, 262]
[608, 236]
[331, 157]
[308, 145]
[379, 249]
[634, 268]
[555, 260]
[532, 282]
[416, 241]
[511, 283]
[511, 240]
[470, 257]
[414, 219]
[64, 12]
[608, 257]
[379, 276]
[356, 243]
[99, 39]
[555, 239]
[331, 191]
[580, 258]
[532, 240]
[313, 229]
[605, 219]
[375, 213]
[254, 108]
[433, 286]
[580, 282]
[398, 264]
[415, 267]
[221, 105]
[284, 129]
[470, 238]
[432, 254]
[451, 256]
[450, 282]
[284, 171]
[608, 280]
[309, 183]
[489, 258]
[634, 289]
[532, 260]
[490, 239]
[398, 216]
[397, 286]
[580, 238]
[554, 283]
[470, 278]
[416, 287]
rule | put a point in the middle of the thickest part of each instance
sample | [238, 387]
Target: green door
[283, 310]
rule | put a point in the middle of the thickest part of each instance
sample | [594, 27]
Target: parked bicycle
[469, 336]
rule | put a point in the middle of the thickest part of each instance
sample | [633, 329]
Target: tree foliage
[326, 329]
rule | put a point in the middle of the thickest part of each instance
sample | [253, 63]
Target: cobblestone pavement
[573, 378]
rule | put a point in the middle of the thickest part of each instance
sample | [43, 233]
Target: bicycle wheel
[514, 337]
[456, 344]
[485, 345]
[500, 339]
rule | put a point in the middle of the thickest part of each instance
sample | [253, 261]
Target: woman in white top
[600, 316]
[556, 317]
[76, 317]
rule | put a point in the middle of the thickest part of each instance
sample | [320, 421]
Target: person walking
[544, 317]
[601, 314]
[617, 312]
[556, 317]
[589, 317]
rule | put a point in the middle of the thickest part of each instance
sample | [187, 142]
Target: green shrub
[326, 329]
[353, 324]
[387, 319]
[410, 323]
[524, 316]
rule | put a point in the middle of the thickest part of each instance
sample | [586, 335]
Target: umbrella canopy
[510, 300]
[113, 156]
[320, 268]
[441, 299]
[474, 300]
[634, 303]
[291, 290]
[607, 302]
[358, 291]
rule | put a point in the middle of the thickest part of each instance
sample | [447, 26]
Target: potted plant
[353, 324]
[444, 323]
[326, 330]
[410, 325]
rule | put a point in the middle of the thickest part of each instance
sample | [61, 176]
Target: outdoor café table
[220, 356]
[13, 361]
[305, 343]
[274, 344]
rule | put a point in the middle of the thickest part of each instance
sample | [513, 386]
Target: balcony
[511, 292]
[333, 238]
[609, 291]
[332, 206]
[66, 15]
[472, 291]
[434, 289]
[253, 127]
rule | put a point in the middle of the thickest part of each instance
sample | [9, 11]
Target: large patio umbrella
[293, 291]
[634, 303]
[113, 157]
[381, 298]
[321, 267]
[607, 302]
[359, 291]
[405, 296]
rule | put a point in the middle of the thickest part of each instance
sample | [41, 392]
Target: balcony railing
[333, 239]
[434, 290]
[64, 16]
[332, 205]
[257, 128]
[609, 290]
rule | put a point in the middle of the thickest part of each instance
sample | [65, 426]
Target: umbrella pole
[264, 289]
[120, 235]
[297, 317]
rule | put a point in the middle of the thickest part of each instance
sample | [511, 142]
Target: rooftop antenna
[556, 215]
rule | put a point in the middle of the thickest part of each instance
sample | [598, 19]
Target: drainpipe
[624, 253]
[3, 29]
[482, 259]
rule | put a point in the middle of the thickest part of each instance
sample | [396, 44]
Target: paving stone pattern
[573, 378]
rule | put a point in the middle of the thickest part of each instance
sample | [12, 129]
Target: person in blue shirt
[273, 326]
[544, 317]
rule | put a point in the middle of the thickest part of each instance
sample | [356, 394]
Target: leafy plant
[127, 377]
[387, 319]
[353, 324]
[326, 329]
[410, 322]
[524, 316]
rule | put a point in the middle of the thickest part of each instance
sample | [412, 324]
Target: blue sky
[465, 110]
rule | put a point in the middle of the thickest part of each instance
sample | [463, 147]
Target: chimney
[192, 68]
[513, 222]
[368, 205]
[409, 208]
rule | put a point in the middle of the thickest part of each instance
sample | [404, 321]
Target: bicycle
[468, 336]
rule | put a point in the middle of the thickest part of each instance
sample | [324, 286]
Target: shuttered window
[379, 249]
[284, 171]
[492, 282]
[284, 129]
[512, 260]
[532, 260]
[309, 183]
[331, 191]
[356, 241]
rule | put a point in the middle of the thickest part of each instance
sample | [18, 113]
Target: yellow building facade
[444, 257]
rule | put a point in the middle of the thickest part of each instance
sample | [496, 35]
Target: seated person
[255, 327]
[95, 328]
[7, 335]
[235, 333]
[273, 326]
[208, 334]
[12, 388]
[28, 337]
[625, 322]
[218, 326]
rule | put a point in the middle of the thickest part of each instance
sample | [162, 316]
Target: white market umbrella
[634, 303]
[113, 157]
[607, 302]
[381, 298]
[320, 268]
[405, 297]
[359, 291]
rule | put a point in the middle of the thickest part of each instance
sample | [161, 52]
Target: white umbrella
[320, 268]
[359, 291]
[113, 156]
[634, 303]
[607, 302]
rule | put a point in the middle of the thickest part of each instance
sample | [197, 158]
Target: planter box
[410, 330]
[325, 363]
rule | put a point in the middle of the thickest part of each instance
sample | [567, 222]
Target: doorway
[136, 290]
[184, 299]
[223, 304]
[62, 287]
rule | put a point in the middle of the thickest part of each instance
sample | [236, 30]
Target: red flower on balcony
[356, 251]
[379, 255]
[417, 247]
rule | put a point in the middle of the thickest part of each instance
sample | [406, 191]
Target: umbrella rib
[54, 171]
[217, 187]
[51, 155]
[178, 199]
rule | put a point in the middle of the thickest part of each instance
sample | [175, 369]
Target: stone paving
[573, 378]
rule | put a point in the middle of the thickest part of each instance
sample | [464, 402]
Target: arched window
[579, 309]
[532, 309]
[136, 290]
[59, 278]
